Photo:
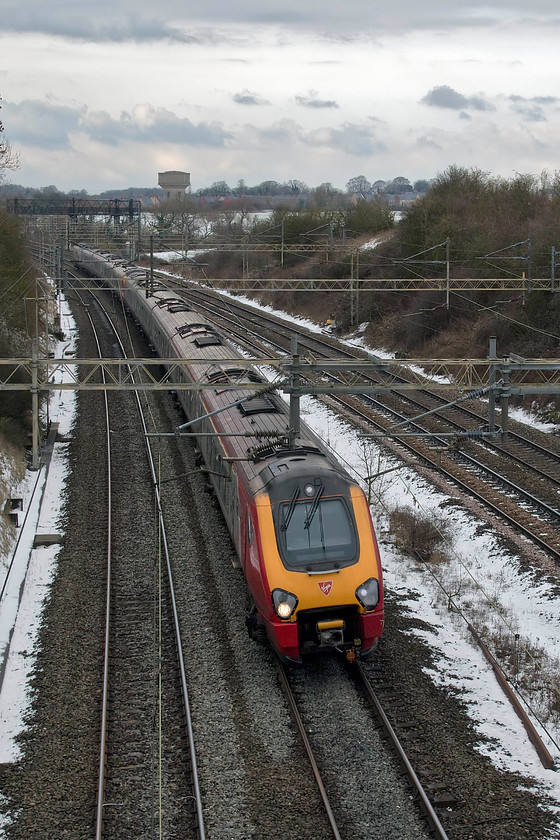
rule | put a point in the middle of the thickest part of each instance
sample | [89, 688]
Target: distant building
[403, 199]
[395, 202]
[174, 184]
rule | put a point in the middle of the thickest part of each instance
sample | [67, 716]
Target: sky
[101, 95]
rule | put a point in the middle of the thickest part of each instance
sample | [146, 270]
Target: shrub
[416, 534]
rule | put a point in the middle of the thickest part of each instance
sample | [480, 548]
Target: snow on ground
[179, 256]
[357, 340]
[31, 569]
[480, 574]
[371, 244]
[522, 415]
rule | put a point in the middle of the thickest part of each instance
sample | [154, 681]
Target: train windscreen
[316, 531]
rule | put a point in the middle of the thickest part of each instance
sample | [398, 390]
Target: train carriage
[300, 524]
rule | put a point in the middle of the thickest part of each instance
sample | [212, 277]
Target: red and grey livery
[300, 524]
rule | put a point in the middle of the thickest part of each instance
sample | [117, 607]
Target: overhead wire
[522, 324]
[492, 603]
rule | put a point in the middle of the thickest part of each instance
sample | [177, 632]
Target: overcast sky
[100, 95]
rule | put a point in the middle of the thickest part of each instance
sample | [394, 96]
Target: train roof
[253, 425]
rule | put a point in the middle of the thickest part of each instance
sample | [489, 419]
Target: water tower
[174, 185]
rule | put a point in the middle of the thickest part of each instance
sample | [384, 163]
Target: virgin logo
[325, 586]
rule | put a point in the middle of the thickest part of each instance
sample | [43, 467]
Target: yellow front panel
[307, 588]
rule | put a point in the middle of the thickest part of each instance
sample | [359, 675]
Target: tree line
[359, 184]
[17, 311]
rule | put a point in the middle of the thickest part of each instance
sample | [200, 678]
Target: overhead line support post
[447, 270]
[554, 263]
[150, 284]
[352, 317]
[530, 263]
[294, 431]
[492, 382]
[355, 291]
[504, 396]
[35, 404]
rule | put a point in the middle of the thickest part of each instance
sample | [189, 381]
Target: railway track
[385, 786]
[518, 479]
[238, 770]
[147, 769]
[342, 792]
[254, 776]
[315, 712]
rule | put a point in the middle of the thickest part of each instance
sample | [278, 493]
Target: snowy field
[483, 577]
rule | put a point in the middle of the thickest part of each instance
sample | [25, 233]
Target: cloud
[53, 126]
[532, 109]
[147, 124]
[425, 142]
[248, 98]
[444, 96]
[141, 21]
[312, 101]
[350, 138]
[43, 124]
[102, 26]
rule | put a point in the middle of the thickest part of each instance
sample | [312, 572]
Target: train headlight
[368, 594]
[284, 603]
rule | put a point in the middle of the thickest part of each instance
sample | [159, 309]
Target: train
[300, 524]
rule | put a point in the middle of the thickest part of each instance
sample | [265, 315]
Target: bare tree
[358, 184]
[400, 184]
[9, 160]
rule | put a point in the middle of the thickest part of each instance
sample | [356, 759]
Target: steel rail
[515, 488]
[284, 682]
[461, 484]
[178, 639]
[105, 690]
[179, 643]
[425, 804]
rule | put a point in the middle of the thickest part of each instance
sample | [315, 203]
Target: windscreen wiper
[314, 506]
[290, 513]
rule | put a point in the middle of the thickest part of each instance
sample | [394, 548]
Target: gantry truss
[72, 207]
[191, 255]
[297, 375]
[509, 376]
[372, 284]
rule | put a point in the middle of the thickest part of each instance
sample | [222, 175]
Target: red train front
[312, 562]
